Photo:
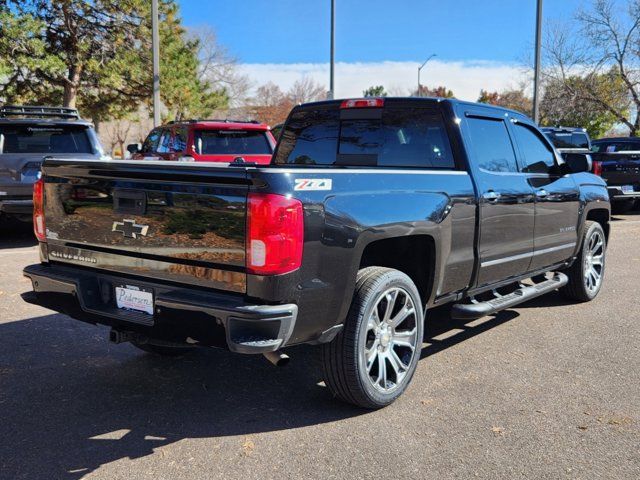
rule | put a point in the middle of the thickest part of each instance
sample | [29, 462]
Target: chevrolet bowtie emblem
[130, 229]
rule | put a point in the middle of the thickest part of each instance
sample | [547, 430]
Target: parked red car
[207, 141]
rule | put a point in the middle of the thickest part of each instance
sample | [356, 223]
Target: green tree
[580, 101]
[95, 55]
[375, 91]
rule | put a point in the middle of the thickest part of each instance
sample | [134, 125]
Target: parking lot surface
[545, 390]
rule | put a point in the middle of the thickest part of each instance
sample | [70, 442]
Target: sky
[478, 43]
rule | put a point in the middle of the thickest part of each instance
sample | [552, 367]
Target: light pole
[331, 92]
[155, 47]
[420, 68]
[536, 75]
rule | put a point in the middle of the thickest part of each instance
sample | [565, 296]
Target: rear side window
[180, 140]
[164, 146]
[537, 155]
[54, 139]
[396, 138]
[492, 145]
[232, 142]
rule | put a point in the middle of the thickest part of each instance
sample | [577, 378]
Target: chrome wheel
[390, 339]
[594, 262]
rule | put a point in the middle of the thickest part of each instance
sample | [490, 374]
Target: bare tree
[219, 67]
[605, 42]
[306, 90]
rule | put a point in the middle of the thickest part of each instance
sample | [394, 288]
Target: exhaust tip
[277, 358]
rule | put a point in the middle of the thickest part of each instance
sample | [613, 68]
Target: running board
[471, 311]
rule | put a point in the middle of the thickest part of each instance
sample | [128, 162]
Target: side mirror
[578, 162]
[134, 148]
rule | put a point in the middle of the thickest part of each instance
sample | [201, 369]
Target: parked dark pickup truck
[372, 211]
[617, 161]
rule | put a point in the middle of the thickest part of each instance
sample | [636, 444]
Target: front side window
[150, 144]
[232, 142]
[164, 146]
[396, 138]
[612, 147]
[492, 145]
[537, 155]
[44, 139]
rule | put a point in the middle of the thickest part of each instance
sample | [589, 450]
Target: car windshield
[44, 139]
[568, 139]
[612, 147]
[232, 142]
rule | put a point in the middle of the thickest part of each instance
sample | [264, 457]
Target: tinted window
[151, 142]
[232, 142]
[537, 155]
[612, 147]
[568, 139]
[401, 138]
[180, 140]
[492, 145]
[164, 146]
[310, 137]
[54, 139]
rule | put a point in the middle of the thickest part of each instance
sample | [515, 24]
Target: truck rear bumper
[16, 206]
[180, 314]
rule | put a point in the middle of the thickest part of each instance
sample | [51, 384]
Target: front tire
[371, 361]
[587, 272]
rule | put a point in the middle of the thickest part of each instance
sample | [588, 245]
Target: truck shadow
[72, 402]
[16, 234]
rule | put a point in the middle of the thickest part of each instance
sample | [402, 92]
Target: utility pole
[332, 92]
[536, 79]
[155, 42]
[420, 68]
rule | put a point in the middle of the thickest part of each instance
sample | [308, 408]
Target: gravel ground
[546, 390]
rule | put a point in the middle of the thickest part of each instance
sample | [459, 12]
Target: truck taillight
[275, 234]
[597, 168]
[363, 103]
[39, 227]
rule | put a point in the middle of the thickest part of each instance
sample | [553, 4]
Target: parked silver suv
[27, 135]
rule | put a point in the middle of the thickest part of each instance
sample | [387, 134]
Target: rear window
[568, 139]
[397, 138]
[43, 139]
[232, 142]
[612, 147]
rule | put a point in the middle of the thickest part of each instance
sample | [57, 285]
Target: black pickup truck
[372, 212]
[617, 161]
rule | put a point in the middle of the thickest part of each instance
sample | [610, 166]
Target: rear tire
[164, 350]
[587, 272]
[371, 361]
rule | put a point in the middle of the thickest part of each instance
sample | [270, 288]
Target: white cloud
[464, 78]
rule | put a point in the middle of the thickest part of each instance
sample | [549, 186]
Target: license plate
[627, 189]
[131, 297]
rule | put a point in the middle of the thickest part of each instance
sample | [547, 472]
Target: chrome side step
[471, 311]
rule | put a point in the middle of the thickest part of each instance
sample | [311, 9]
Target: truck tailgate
[164, 220]
[620, 168]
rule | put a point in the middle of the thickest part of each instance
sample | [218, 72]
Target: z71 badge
[313, 184]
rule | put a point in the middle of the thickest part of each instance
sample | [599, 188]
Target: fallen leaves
[247, 447]
[497, 431]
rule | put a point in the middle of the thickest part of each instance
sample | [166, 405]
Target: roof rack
[36, 111]
[221, 120]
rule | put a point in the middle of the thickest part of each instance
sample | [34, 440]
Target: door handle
[542, 193]
[491, 196]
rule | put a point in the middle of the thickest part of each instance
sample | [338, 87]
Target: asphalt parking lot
[546, 390]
